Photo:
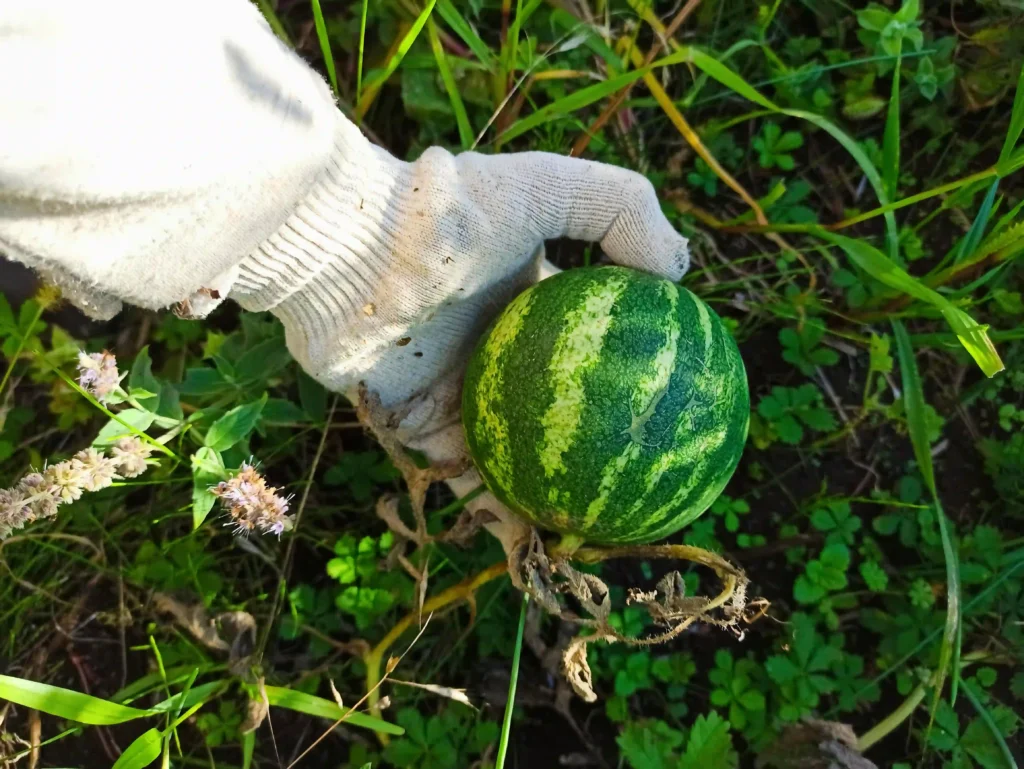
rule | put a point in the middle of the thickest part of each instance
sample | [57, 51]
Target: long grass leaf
[586, 96]
[152, 681]
[1013, 163]
[914, 406]
[1016, 124]
[362, 51]
[301, 702]
[186, 699]
[142, 752]
[734, 82]
[972, 336]
[1006, 220]
[248, 748]
[698, 84]
[65, 703]
[510, 701]
[591, 39]
[1008, 237]
[978, 226]
[959, 185]
[1011, 569]
[275, 23]
[466, 33]
[993, 727]
[395, 59]
[325, 44]
[891, 151]
[510, 46]
[461, 118]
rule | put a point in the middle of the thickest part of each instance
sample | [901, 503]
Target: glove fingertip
[676, 259]
[666, 253]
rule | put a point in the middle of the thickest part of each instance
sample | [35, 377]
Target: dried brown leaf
[193, 618]
[577, 669]
[458, 695]
[256, 711]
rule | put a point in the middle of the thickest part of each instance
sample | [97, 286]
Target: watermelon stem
[566, 546]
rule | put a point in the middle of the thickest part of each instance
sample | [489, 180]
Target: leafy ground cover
[846, 175]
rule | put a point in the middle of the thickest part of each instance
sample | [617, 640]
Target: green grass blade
[591, 39]
[1006, 220]
[586, 96]
[978, 600]
[362, 51]
[1013, 163]
[189, 698]
[1016, 124]
[325, 44]
[248, 748]
[275, 23]
[698, 84]
[993, 727]
[978, 226]
[734, 82]
[142, 752]
[152, 681]
[404, 46]
[891, 152]
[65, 703]
[461, 118]
[914, 405]
[510, 46]
[511, 53]
[466, 33]
[972, 336]
[301, 702]
[506, 724]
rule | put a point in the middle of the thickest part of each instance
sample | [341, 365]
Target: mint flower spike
[39, 495]
[98, 374]
[252, 504]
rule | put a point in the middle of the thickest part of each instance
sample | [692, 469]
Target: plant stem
[997, 736]
[566, 546]
[893, 720]
[134, 430]
[674, 552]
[289, 555]
[506, 726]
[21, 346]
[362, 52]
[457, 592]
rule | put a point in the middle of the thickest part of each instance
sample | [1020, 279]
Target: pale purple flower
[15, 511]
[66, 480]
[45, 498]
[39, 495]
[98, 375]
[97, 471]
[130, 455]
[252, 504]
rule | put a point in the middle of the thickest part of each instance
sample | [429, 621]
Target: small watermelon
[607, 404]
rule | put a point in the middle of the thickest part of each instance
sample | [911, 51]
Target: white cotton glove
[165, 151]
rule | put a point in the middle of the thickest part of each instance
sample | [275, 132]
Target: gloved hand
[178, 152]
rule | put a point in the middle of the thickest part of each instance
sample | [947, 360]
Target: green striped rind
[607, 403]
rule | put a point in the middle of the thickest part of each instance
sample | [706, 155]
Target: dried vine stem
[673, 610]
[667, 605]
[713, 561]
[463, 591]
